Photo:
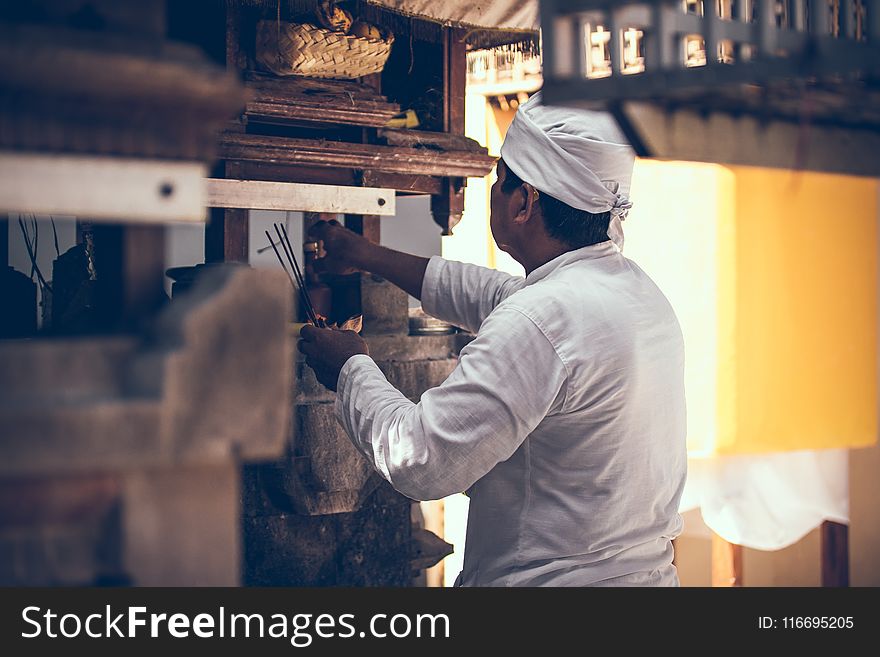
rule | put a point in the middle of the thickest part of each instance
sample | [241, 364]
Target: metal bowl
[421, 323]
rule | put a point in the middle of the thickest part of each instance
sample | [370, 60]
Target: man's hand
[344, 249]
[346, 252]
[327, 350]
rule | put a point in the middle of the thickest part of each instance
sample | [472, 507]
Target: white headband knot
[619, 211]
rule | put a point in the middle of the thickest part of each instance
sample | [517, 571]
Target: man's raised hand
[342, 251]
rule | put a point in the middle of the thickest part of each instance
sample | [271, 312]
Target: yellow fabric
[773, 276]
[672, 233]
[798, 313]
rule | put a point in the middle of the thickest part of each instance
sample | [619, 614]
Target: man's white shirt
[564, 420]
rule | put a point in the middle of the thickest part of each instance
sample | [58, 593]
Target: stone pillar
[322, 516]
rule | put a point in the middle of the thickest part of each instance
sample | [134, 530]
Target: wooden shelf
[319, 101]
[346, 155]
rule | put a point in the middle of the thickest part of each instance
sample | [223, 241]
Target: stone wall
[322, 516]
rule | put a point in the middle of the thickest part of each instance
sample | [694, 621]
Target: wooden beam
[236, 59]
[454, 79]
[319, 101]
[447, 207]
[727, 568]
[347, 155]
[441, 141]
[316, 113]
[406, 183]
[315, 86]
[226, 235]
[261, 195]
[300, 174]
[102, 188]
[835, 554]
[130, 272]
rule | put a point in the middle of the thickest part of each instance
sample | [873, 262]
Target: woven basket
[301, 49]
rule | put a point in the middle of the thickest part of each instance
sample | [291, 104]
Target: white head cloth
[579, 157]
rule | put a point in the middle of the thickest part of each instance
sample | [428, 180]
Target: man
[565, 417]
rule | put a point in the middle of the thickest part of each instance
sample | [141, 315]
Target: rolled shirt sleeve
[464, 294]
[507, 380]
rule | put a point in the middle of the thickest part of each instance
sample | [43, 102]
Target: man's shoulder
[551, 298]
[548, 307]
[586, 304]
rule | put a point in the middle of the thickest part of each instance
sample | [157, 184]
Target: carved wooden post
[727, 569]
[226, 235]
[448, 206]
[130, 265]
[835, 554]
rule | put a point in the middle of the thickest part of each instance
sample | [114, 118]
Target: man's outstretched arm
[452, 291]
[347, 252]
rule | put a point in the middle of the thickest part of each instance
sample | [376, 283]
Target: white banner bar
[103, 188]
[261, 195]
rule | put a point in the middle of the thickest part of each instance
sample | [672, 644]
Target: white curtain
[769, 501]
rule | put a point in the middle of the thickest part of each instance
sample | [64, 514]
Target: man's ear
[529, 197]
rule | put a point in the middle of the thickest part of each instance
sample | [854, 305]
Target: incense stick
[296, 268]
[299, 272]
[280, 261]
[296, 274]
[294, 265]
[289, 276]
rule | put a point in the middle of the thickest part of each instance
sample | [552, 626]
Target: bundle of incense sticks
[296, 278]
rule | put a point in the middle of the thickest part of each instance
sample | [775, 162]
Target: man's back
[591, 496]
[564, 417]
